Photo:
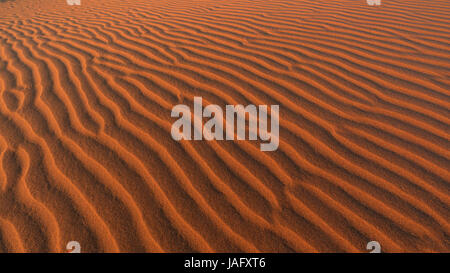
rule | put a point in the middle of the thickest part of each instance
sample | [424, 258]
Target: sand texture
[86, 152]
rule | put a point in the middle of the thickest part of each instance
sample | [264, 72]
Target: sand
[86, 154]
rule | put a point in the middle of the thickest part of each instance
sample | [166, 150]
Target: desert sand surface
[86, 153]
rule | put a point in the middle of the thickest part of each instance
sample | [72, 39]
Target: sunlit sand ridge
[86, 152]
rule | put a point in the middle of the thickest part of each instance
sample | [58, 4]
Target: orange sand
[85, 147]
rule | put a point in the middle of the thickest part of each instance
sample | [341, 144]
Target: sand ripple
[86, 154]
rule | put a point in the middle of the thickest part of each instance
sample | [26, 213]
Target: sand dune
[86, 153]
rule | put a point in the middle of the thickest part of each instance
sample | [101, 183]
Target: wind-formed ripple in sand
[86, 153]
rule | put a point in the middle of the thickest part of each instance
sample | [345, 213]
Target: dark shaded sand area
[86, 154]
